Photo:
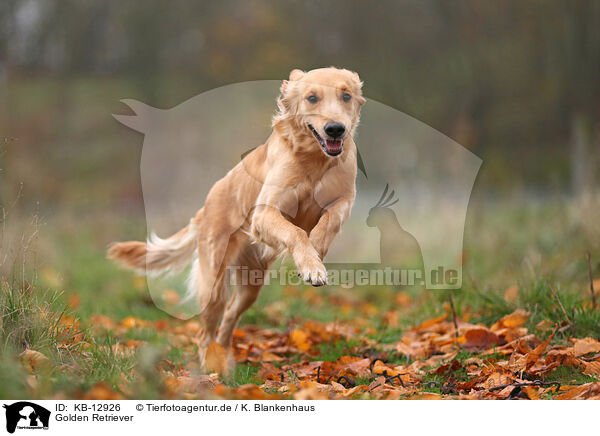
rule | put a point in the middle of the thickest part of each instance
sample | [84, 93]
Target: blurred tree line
[517, 82]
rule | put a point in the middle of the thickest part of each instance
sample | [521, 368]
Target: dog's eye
[346, 97]
[312, 99]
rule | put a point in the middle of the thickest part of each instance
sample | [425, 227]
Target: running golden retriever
[289, 195]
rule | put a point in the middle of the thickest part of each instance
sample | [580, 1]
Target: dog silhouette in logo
[30, 413]
[398, 248]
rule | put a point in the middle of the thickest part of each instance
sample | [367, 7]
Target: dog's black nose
[335, 130]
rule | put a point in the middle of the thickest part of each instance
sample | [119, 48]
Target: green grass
[568, 375]
[36, 320]
[331, 351]
[146, 334]
[103, 363]
[542, 301]
[243, 374]
[30, 318]
[540, 249]
[176, 355]
[13, 382]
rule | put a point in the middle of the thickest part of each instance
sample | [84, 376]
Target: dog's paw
[312, 271]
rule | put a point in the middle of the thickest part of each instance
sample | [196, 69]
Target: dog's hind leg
[209, 319]
[243, 298]
[209, 322]
[209, 279]
[250, 272]
[245, 295]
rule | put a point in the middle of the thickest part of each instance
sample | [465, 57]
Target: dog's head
[323, 105]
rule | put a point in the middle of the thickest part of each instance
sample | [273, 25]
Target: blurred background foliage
[516, 82]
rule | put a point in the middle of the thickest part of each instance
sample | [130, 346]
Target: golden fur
[286, 196]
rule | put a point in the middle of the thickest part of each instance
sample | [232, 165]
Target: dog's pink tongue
[333, 144]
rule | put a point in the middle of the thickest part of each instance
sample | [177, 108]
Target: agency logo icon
[26, 415]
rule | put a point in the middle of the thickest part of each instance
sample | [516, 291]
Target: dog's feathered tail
[157, 255]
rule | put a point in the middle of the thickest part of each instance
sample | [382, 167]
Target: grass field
[75, 326]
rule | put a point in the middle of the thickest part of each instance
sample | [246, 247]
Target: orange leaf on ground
[74, 300]
[513, 320]
[271, 357]
[132, 322]
[584, 392]
[134, 343]
[592, 368]
[299, 340]
[563, 356]
[102, 321]
[161, 324]
[430, 323]
[498, 377]
[216, 358]
[381, 368]
[531, 392]
[537, 352]
[480, 339]
[391, 318]
[585, 346]
[448, 367]
[426, 396]
[402, 299]
[196, 383]
[239, 334]
[33, 360]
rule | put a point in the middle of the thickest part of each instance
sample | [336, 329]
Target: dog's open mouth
[332, 147]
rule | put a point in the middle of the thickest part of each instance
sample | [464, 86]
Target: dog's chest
[310, 205]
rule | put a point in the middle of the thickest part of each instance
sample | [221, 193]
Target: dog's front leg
[329, 225]
[272, 228]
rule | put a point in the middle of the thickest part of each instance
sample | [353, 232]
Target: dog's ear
[358, 83]
[356, 79]
[284, 87]
[285, 101]
[360, 99]
[296, 74]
